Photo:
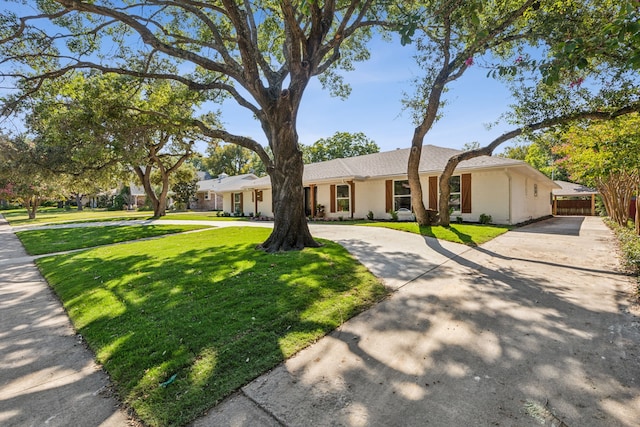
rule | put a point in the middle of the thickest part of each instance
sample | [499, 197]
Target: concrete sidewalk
[47, 376]
[530, 329]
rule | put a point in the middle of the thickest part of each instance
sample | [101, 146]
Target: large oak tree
[261, 54]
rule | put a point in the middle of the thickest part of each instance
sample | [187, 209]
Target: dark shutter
[332, 196]
[433, 192]
[241, 205]
[465, 183]
[388, 201]
[352, 189]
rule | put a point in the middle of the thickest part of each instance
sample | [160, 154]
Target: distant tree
[516, 152]
[21, 179]
[90, 122]
[340, 145]
[230, 159]
[539, 154]
[605, 156]
[184, 184]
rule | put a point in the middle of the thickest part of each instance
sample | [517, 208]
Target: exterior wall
[265, 207]
[247, 203]
[489, 196]
[214, 202]
[370, 197]
[526, 205]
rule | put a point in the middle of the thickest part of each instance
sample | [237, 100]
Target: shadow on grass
[212, 313]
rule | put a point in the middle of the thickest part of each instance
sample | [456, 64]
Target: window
[342, 198]
[401, 195]
[206, 196]
[237, 202]
[455, 196]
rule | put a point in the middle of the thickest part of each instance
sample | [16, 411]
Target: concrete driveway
[533, 328]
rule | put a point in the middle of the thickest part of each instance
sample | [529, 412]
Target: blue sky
[374, 106]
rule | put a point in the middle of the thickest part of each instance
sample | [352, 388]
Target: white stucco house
[511, 191]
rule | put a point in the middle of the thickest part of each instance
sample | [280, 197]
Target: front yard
[182, 321]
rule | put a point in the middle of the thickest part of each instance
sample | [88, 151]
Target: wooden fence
[573, 207]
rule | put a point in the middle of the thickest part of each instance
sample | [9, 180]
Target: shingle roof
[572, 189]
[390, 163]
[229, 183]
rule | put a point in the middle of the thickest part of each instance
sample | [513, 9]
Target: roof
[393, 163]
[203, 175]
[226, 183]
[572, 189]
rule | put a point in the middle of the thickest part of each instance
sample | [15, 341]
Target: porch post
[255, 200]
[312, 196]
[593, 205]
[555, 205]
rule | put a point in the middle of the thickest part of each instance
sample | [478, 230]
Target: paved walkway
[531, 328]
[47, 376]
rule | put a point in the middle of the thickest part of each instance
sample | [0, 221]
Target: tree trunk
[32, 206]
[290, 228]
[159, 208]
[79, 201]
[413, 174]
[617, 190]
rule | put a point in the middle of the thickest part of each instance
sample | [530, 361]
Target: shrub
[485, 219]
[394, 215]
[629, 245]
[459, 219]
[370, 216]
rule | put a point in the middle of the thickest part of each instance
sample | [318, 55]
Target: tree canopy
[513, 39]
[339, 145]
[605, 155]
[231, 159]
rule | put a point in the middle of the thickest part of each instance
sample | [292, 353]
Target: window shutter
[388, 201]
[352, 190]
[433, 192]
[465, 183]
[241, 205]
[332, 196]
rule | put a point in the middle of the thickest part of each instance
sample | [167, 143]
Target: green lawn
[51, 240]
[181, 322]
[468, 234]
[55, 215]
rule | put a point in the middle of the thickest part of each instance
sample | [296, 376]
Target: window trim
[237, 204]
[396, 196]
[459, 193]
[348, 198]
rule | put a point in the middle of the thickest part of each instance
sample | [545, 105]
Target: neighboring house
[209, 195]
[574, 199]
[511, 191]
[138, 196]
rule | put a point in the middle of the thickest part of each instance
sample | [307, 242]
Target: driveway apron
[47, 376]
[533, 328]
